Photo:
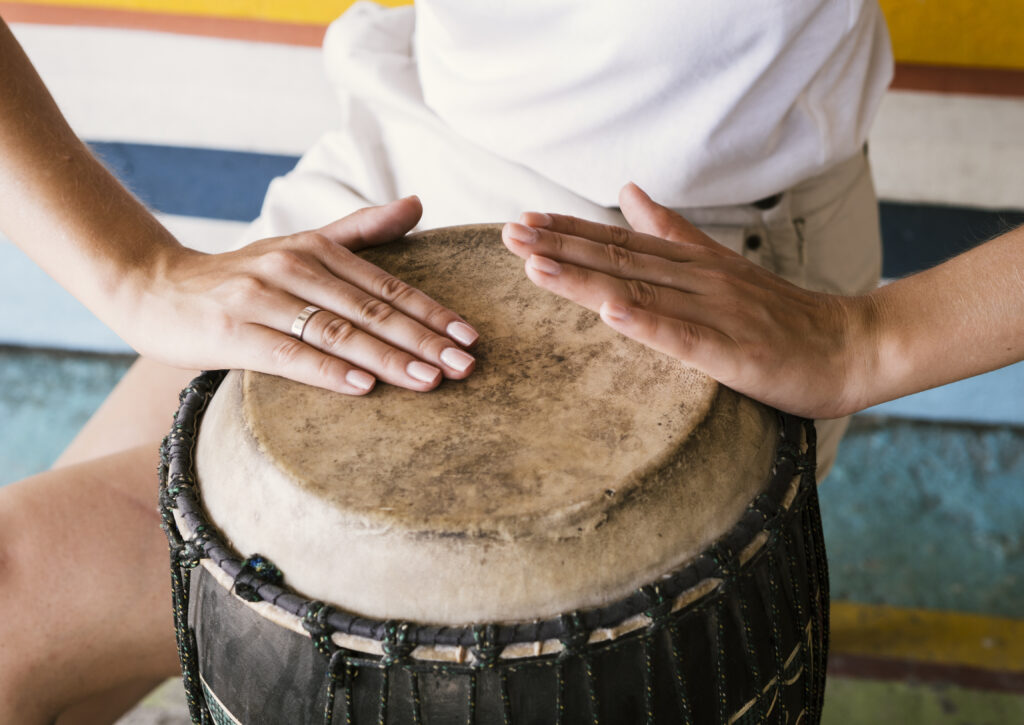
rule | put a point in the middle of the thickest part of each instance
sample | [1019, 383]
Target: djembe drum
[583, 531]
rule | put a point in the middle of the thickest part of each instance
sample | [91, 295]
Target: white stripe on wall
[180, 90]
[949, 149]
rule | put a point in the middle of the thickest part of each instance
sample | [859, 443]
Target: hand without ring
[299, 325]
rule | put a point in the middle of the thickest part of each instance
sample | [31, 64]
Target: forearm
[959, 319]
[60, 205]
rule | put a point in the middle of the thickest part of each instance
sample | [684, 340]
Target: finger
[590, 288]
[646, 215]
[697, 345]
[272, 352]
[374, 225]
[615, 235]
[388, 324]
[611, 259]
[337, 336]
[411, 302]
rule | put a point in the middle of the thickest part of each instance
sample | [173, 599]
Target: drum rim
[178, 493]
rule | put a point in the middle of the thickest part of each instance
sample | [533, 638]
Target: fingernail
[359, 379]
[421, 371]
[461, 333]
[545, 265]
[456, 359]
[536, 219]
[615, 312]
[518, 232]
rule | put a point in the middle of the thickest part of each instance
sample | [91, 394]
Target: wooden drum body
[583, 531]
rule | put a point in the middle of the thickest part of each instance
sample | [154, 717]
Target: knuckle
[430, 345]
[437, 317]
[392, 289]
[375, 312]
[327, 368]
[641, 294]
[392, 359]
[618, 236]
[620, 258]
[286, 351]
[315, 242]
[336, 332]
[281, 262]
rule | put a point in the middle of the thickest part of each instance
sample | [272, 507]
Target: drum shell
[768, 621]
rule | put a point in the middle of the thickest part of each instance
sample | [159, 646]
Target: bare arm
[189, 309]
[668, 285]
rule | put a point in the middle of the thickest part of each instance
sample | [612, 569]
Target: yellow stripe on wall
[970, 33]
[941, 638]
[317, 12]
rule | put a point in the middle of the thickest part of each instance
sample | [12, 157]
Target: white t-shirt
[700, 102]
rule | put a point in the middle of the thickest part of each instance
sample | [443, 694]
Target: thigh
[138, 410]
[84, 584]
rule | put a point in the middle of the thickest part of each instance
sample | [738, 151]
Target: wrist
[862, 352]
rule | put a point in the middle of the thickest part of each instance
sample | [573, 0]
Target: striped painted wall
[229, 116]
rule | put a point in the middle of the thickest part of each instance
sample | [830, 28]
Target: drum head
[571, 467]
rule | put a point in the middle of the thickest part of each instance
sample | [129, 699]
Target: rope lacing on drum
[486, 652]
[574, 639]
[339, 668]
[315, 623]
[396, 644]
[256, 570]
[188, 553]
[486, 649]
[659, 610]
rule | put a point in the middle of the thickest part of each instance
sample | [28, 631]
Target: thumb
[649, 217]
[374, 225]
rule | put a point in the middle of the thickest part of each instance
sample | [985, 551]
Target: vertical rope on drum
[559, 693]
[776, 632]
[414, 689]
[794, 577]
[471, 704]
[574, 640]
[338, 662]
[397, 649]
[659, 611]
[677, 670]
[649, 679]
[717, 638]
[506, 704]
[819, 622]
[819, 566]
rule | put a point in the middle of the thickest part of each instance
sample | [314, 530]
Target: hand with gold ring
[306, 307]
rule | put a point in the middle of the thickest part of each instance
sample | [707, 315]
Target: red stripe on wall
[948, 79]
[232, 28]
[884, 668]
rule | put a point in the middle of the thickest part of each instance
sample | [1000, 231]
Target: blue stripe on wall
[218, 184]
[208, 183]
[919, 236]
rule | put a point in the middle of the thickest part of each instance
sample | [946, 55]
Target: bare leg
[85, 627]
[83, 585]
[139, 409]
